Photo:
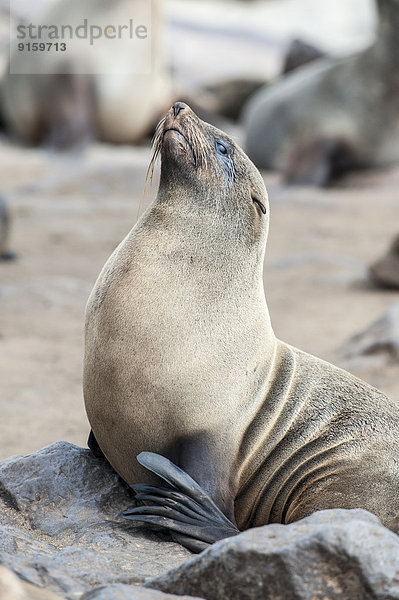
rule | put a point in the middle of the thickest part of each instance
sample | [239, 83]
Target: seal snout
[177, 107]
[178, 125]
[180, 136]
[174, 119]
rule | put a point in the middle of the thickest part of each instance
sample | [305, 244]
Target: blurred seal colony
[331, 116]
[97, 83]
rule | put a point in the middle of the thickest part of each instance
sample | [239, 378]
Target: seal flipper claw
[182, 506]
[172, 504]
[168, 496]
[190, 543]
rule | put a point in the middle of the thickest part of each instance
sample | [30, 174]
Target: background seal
[332, 116]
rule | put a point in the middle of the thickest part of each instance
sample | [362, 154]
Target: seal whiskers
[156, 149]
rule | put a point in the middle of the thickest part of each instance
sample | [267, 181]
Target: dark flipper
[181, 506]
[93, 445]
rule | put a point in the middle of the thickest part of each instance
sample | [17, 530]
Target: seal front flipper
[181, 506]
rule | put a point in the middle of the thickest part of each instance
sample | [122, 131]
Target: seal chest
[162, 370]
[181, 361]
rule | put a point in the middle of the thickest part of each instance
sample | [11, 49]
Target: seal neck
[207, 247]
[207, 272]
[217, 227]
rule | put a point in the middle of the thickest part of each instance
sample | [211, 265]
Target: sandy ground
[69, 214]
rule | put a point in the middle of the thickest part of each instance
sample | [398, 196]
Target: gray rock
[60, 533]
[120, 591]
[12, 588]
[385, 272]
[334, 554]
[382, 336]
[60, 528]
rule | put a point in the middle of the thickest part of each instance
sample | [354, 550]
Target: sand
[70, 213]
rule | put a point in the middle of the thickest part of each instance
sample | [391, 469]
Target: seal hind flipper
[181, 506]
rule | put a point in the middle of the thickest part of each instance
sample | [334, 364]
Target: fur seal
[183, 369]
[333, 115]
[61, 106]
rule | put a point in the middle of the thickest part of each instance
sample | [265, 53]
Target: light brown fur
[181, 358]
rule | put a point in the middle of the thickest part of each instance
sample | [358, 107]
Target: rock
[60, 528]
[12, 588]
[60, 533]
[335, 554]
[120, 591]
[380, 336]
[300, 53]
[385, 272]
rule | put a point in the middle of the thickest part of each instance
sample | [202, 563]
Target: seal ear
[256, 200]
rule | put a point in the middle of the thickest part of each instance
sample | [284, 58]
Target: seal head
[199, 156]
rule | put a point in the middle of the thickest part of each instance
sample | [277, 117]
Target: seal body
[333, 115]
[181, 359]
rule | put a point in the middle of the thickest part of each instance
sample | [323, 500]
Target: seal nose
[177, 107]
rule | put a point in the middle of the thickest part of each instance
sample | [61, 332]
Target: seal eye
[226, 160]
[221, 148]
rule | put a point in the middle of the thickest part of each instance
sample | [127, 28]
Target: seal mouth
[177, 131]
[193, 135]
[185, 139]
